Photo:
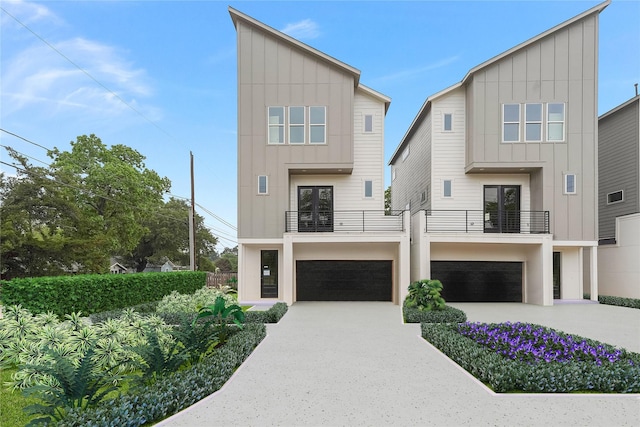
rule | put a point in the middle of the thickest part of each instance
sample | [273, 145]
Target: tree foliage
[90, 203]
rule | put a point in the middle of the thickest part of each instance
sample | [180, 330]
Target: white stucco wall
[619, 264]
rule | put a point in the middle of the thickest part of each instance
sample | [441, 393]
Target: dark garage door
[343, 280]
[479, 281]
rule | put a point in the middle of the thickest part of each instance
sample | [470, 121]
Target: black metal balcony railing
[337, 221]
[506, 221]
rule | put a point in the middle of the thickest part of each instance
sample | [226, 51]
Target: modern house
[311, 220]
[499, 172]
[619, 200]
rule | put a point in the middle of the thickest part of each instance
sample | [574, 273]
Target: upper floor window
[555, 122]
[405, 153]
[423, 196]
[511, 122]
[263, 187]
[447, 188]
[570, 183]
[447, 122]
[368, 189]
[615, 197]
[296, 125]
[276, 125]
[533, 122]
[393, 173]
[317, 125]
[368, 123]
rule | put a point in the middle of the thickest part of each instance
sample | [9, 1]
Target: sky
[160, 76]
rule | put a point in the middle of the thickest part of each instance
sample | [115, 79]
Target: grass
[12, 402]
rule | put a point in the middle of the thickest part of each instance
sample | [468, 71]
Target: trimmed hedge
[175, 392]
[447, 315]
[93, 293]
[506, 375]
[619, 301]
[273, 315]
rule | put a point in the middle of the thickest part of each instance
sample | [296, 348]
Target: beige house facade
[311, 219]
[500, 173]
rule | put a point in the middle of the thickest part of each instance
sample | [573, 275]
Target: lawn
[12, 402]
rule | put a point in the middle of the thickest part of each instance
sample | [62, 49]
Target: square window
[570, 183]
[447, 190]
[511, 122]
[368, 189]
[296, 125]
[368, 123]
[447, 122]
[615, 197]
[262, 185]
[317, 125]
[276, 125]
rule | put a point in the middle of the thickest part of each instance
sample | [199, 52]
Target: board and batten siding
[619, 163]
[368, 164]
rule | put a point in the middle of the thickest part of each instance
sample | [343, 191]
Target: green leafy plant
[447, 315]
[425, 295]
[156, 359]
[218, 313]
[71, 386]
[197, 339]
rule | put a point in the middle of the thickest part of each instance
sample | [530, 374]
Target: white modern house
[499, 172]
[311, 220]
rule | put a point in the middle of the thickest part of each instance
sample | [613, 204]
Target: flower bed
[521, 357]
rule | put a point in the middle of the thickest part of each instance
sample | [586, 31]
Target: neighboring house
[168, 266]
[117, 268]
[311, 222]
[619, 200]
[499, 172]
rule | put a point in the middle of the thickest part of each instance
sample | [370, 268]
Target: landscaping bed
[523, 357]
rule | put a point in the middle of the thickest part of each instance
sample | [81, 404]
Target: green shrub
[619, 301]
[425, 295]
[175, 392]
[506, 375]
[272, 315]
[177, 302]
[95, 293]
[447, 315]
[144, 308]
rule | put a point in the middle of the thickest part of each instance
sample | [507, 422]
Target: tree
[228, 260]
[387, 200]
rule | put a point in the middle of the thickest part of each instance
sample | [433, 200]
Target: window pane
[317, 134]
[615, 197]
[555, 132]
[368, 123]
[296, 135]
[447, 188]
[262, 184]
[570, 183]
[296, 115]
[276, 134]
[368, 189]
[512, 112]
[511, 132]
[447, 122]
[276, 115]
[316, 115]
[556, 112]
[534, 112]
[534, 131]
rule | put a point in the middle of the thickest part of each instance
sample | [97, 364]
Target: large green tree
[90, 203]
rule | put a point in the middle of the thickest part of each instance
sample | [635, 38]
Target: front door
[269, 274]
[315, 209]
[501, 208]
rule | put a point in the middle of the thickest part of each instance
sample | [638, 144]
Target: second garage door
[344, 280]
[479, 281]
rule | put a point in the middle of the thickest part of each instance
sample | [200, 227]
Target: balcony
[498, 221]
[343, 221]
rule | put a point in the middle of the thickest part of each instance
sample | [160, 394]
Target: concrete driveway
[356, 364]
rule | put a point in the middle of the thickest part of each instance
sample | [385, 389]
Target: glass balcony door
[315, 209]
[501, 208]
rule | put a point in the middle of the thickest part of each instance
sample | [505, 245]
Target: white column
[287, 261]
[593, 270]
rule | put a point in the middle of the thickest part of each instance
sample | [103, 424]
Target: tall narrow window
[569, 183]
[317, 125]
[533, 124]
[405, 153]
[368, 123]
[296, 125]
[447, 188]
[555, 122]
[511, 122]
[276, 125]
[263, 187]
[368, 189]
[447, 122]
[393, 173]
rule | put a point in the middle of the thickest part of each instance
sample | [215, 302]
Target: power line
[25, 139]
[87, 74]
[25, 155]
[233, 227]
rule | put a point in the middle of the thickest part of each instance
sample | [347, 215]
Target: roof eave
[375, 94]
[620, 107]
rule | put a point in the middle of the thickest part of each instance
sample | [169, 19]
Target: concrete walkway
[356, 364]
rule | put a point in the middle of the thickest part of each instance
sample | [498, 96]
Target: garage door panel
[478, 281]
[343, 280]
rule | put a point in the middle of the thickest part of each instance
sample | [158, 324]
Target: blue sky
[160, 76]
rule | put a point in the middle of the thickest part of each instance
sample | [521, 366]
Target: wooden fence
[217, 280]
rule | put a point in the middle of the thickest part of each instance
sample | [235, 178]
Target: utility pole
[192, 223]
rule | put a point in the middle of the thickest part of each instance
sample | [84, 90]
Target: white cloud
[412, 72]
[305, 29]
[28, 13]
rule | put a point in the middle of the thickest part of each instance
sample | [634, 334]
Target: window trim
[324, 125]
[615, 201]
[566, 183]
[444, 188]
[423, 197]
[540, 122]
[280, 125]
[393, 173]
[364, 123]
[444, 122]
[266, 185]
[297, 125]
[504, 122]
[563, 122]
[364, 193]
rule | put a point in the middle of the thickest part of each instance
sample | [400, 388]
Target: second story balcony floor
[330, 221]
[487, 221]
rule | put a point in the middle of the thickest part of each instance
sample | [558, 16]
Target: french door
[315, 208]
[501, 208]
